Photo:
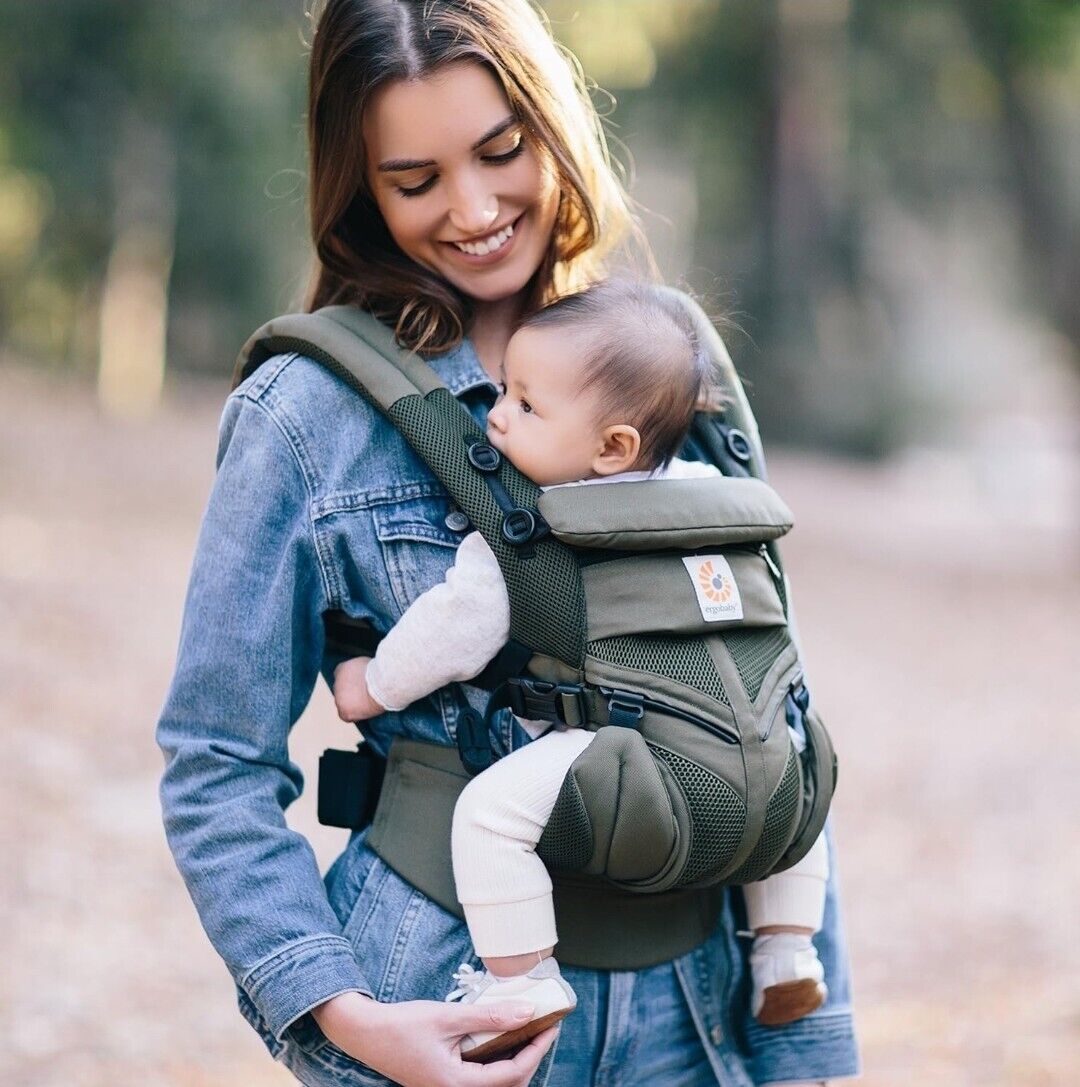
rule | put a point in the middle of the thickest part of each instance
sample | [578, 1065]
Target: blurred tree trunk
[1053, 240]
[134, 295]
[824, 379]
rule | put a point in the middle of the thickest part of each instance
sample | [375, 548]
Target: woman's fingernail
[522, 1011]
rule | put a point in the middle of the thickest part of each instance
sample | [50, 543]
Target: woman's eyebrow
[393, 166]
[495, 130]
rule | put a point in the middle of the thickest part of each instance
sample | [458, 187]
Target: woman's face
[462, 190]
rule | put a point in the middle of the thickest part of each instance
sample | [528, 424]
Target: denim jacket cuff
[819, 1047]
[291, 982]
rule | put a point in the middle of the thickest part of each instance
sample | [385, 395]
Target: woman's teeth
[487, 245]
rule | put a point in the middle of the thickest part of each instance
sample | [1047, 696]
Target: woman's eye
[417, 190]
[506, 156]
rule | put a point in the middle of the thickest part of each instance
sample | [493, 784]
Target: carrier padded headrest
[672, 513]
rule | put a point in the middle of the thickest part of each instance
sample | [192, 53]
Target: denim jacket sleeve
[250, 650]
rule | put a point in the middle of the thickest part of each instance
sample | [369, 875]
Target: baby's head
[599, 382]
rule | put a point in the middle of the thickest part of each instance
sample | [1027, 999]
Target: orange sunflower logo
[714, 585]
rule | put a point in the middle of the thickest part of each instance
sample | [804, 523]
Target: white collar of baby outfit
[618, 477]
[675, 469]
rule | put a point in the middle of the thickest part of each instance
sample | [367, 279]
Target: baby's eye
[526, 407]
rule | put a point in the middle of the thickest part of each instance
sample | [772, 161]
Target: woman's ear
[619, 453]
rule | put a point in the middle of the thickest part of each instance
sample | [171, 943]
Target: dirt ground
[941, 636]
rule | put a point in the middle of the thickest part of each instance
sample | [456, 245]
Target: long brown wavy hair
[358, 46]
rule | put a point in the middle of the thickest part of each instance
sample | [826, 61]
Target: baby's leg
[506, 890]
[502, 884]
[793, 900]
[784, 911]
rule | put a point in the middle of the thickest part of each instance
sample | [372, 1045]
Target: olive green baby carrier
[654, 612]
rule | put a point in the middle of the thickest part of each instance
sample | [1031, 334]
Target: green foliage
[217, 91]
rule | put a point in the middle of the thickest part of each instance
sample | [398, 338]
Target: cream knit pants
[505, 888]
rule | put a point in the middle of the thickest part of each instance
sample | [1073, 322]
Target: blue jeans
[630, 1030]
[642, 1034]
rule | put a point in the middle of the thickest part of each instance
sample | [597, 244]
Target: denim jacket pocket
[417, 545]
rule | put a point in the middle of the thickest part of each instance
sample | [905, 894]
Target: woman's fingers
[516, 1072]
[468, 1018]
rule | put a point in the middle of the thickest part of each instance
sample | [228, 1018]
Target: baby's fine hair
[642, 358]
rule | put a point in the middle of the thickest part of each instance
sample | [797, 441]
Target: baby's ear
[620, 451]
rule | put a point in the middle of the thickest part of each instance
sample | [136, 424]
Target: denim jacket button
[716, 1034]
[456, 521]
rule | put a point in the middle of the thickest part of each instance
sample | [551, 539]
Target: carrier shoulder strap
[499, 501]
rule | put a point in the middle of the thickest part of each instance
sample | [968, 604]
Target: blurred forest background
[852, 181]
[883, 196]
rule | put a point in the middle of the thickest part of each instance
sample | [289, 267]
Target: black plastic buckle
[626, 709]
[473, 741]
[538, 700]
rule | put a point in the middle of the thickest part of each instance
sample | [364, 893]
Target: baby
[598, 388]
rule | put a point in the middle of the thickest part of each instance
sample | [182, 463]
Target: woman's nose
[473, 209]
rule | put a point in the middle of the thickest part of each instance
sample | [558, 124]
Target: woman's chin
[493, 287]
[496, 281]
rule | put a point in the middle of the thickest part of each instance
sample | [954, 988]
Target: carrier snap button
[518, 526]
[716, 1034]
[739, 445]
[484, 457]
[456, 521]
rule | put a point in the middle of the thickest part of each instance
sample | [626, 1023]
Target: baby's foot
[543, 987]
[788, 978]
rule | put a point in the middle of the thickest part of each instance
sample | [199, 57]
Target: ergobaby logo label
[717, 594]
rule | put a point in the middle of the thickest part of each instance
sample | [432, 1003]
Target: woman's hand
[417, 1043]
[351, 694]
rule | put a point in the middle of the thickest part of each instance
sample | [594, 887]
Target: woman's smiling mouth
[490, 247]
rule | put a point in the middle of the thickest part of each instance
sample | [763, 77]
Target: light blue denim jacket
[319, 504]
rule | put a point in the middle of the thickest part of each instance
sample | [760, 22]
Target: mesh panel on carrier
[755, 651]
[717, 815]
[436, 427]
[684, 660]
[779, 814]
[567, 841]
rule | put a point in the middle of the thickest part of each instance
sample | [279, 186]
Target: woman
[458, 179]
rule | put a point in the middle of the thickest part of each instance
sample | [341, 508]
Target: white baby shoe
[543, 986]
[788, 978]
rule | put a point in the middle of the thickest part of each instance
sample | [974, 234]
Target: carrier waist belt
[600, 926]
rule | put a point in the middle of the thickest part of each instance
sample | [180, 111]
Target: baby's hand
[351, 694]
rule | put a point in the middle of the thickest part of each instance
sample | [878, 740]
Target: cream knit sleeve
[448, 633]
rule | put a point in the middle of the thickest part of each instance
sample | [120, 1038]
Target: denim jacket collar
[461, 371]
